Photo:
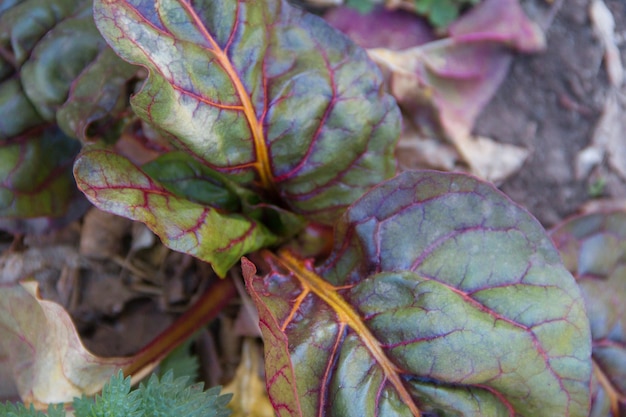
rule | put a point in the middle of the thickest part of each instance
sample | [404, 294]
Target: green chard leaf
[187, 177]
[265, 93]
[51, 54]
[441, 298]
[113, 183]
[97, 98]
[37, 190]
[593, 248]
[24, 23]
[17, 110]
[59, 60]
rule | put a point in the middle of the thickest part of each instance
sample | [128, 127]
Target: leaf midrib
[312, 282]
[262, 163]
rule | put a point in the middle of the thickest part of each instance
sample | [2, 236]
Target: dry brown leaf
[102, 234]
[17, 265]
[442, 86]
[249, 394]
[608, 138]
[491, 160]
[603, 205]
[455, 77]
[42, 344]
[8, 390]
[604, 25]
[417, 152]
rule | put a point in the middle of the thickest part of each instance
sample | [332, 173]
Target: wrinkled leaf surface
[263, 92]
[441, 297]
[186, 177]
[58, 59]
[97, 97]
[593, 248]
[54, 50]
[114, 184]
[36, 185]
[50, 49]
[23, 23]
[19, 113]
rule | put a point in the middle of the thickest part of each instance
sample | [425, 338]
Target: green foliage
[19, 410]
[593, 248]
[363, 6]
[164, 397]
[438, 12]
[441, 12]
[181, 362]
[58, 79]
[169, 397]
[418, 269]
[441, 296]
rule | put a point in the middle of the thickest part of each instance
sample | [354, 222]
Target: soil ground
[551, 103]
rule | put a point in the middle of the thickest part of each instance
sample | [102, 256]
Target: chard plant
[422, 294]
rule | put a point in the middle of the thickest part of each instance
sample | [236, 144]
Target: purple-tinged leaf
[263, 92]
[456, 76]
[442, 297]
[501, 21]
[593, 248]
[112, 183]
[24, 23]
[18, 112]
[186, 177]
[37, 190]
[381, 28]
[50, 50]
[58, 59]
[97, 98]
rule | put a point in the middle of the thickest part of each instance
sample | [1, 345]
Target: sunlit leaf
[441, 298]
[114, 184]
[593, 248]
[263, 92]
